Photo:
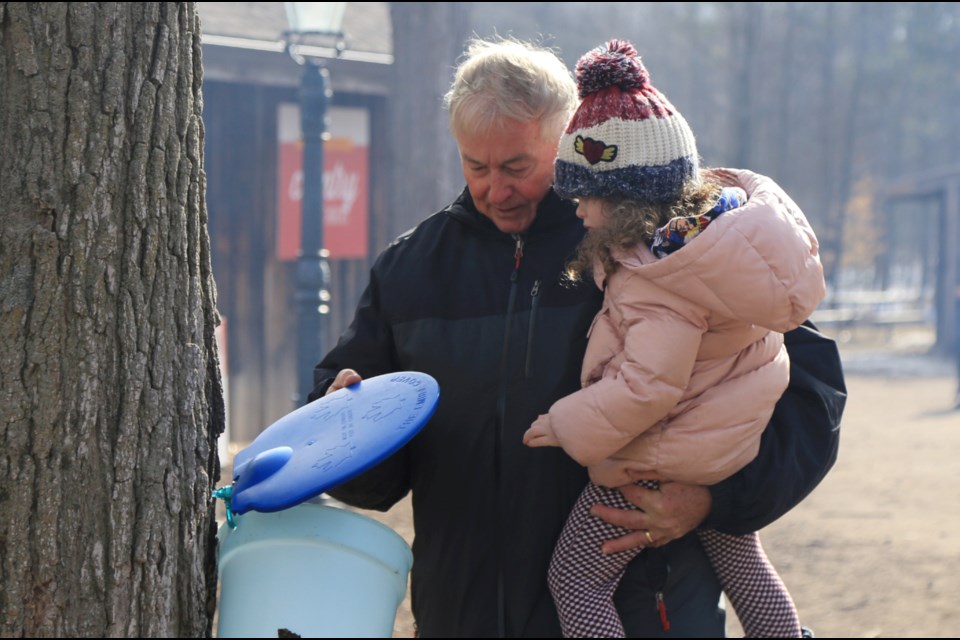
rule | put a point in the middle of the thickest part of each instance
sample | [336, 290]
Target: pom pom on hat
[615, 65]
[625, 139]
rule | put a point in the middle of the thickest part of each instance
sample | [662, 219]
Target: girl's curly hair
[631, 222]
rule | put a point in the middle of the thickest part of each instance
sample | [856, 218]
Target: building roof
[243, 42]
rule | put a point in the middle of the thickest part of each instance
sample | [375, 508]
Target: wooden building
[251, 96]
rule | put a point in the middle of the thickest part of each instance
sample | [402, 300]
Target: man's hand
[345, 378]
[540, 434]
[666, 514]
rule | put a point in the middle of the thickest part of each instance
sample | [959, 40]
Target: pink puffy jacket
[686, 359]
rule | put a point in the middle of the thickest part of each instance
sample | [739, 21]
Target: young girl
[685, 360]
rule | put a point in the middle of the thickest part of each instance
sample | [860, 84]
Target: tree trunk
[848, 139]
[427, 40]
[785, 97]
[747, 22]
[109, 383]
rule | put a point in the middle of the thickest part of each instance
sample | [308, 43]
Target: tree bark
[109, 378]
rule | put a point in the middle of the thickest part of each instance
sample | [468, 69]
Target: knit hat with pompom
[625, 140]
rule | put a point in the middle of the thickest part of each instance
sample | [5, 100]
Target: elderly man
[474, 297]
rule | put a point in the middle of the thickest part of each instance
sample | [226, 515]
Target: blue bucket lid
[331, 440]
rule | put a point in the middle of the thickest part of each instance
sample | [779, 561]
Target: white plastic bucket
[314, 570]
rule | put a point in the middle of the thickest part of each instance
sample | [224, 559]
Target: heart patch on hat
[595, 150]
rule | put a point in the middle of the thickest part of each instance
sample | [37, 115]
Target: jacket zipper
[514, 277]
[498, 441]
[535, 299]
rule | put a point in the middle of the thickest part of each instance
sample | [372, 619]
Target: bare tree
[108, 370]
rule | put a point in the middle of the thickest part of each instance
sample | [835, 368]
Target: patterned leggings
[583, 580]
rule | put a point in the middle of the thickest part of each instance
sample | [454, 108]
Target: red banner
[345, 189]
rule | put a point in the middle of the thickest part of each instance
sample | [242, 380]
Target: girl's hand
[541, 434]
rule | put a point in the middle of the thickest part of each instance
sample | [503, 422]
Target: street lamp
[310, 21]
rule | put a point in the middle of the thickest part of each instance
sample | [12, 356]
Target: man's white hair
[509, 79]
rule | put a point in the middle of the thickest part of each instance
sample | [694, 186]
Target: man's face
[508, 171]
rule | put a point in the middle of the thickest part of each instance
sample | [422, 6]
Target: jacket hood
[758, 263]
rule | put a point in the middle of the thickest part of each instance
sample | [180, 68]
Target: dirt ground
[874, 552]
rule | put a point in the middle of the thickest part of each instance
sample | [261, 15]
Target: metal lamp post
[308, 20]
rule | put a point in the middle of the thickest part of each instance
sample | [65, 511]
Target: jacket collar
[552, 212]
